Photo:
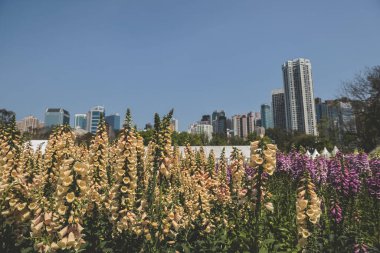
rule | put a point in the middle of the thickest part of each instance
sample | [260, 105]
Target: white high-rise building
[174, 124]
[236, 125]
[29, 124]
[201, 128]
[299, 96]
[93, 118]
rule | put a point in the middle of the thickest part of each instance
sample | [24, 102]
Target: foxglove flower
[336, 213]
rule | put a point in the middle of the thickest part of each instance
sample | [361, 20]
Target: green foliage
[364, 92]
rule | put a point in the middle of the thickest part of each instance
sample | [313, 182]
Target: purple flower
[297, 164]
[310, 165]
[373, 181]
[249, 170]
[360, 248]
[362, 163]
[282, 162]
[321, 164]
[338, 175]
[336, 213]
[354, 167]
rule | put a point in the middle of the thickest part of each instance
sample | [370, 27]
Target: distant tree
[184, 138]
[251, 137]
[303, 140]
[328, 135]
[281, 138]
[364, 91]
[6, 116]
[39, 133]
[147, 135]
[236, 141]
[218, 140]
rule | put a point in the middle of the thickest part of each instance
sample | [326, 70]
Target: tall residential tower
[278, 109]
[266, 116]
[299, 96]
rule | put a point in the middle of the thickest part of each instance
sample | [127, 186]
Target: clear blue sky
[191, 55]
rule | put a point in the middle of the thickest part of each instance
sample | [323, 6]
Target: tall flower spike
[14, 194]
[98, 164]
[67, 216]
[308, 209]
[237, 172]
[224, 191]
[123, 193]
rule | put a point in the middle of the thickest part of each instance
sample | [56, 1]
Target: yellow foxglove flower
[63, 232]
[302, 204]
[13, 202]
[305, 233]
[70, 240]
[32, 206]
[70, 197]
[124, 189]
[62, 210]
[62, 243]
[269, 206]
[126, 180]
[67, 181]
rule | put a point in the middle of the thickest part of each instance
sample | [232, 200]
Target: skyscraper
[251, 122]
[80, 121]
[341, 116]
[113, 121]
[56, 116]
[321, 110]
[236, 125]
[93, 118]
[278, 109]
[219, 122]
[299, 96]
[201, 127]
[243, 126]
[29, 124]
[266, 116]
[206, 118]
[174, 124]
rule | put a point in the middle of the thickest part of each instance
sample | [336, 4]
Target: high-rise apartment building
[206, 118]
[251, 122]
[243, 125]
[340, 116]
[321, 110]
[56, 116]
[80, 121]
[257, 119]
[174, 124]
[29, 124]
[202, 128]
[236, 125]
[266, 116]
[278, 109]
[93, 118]
[299, 96]
[219, 122]
[113, 121]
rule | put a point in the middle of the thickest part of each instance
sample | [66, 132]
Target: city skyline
[193, 56]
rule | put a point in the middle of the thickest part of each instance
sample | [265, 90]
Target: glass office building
[93, 118]
[56, 116]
